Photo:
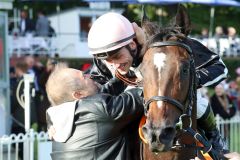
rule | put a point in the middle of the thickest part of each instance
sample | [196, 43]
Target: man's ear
[77, 95]
[133, 45]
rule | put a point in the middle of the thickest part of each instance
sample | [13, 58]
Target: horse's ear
[144, 19]
[182, 20]
[148, 27]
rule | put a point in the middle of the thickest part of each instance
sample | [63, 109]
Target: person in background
[233, 41]
[26, 25]
[234, 93]
[204, 33]
[35, 68]
[222, 104]
[17, 102]
[88, 124]
[44, 103]
[42, 25]
[219, 33]
[232, 33]
[51, 32]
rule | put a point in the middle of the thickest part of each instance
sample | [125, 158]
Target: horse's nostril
[154, 138]
[167, 134]
[144, 129]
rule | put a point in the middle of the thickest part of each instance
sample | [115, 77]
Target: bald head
[67, 84]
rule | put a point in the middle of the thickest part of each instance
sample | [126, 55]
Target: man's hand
[140, 35]
[51, 132]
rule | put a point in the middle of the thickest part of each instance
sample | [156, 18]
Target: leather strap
[129, 81]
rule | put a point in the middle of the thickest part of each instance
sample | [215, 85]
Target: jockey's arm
[210, 68]
[212, 73]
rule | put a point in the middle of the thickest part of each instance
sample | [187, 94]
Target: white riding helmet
[109, 32]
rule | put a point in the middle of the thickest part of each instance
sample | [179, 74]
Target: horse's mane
[155, 33]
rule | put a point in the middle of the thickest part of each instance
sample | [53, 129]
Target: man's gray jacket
[95, 127]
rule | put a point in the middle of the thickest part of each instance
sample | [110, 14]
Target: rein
[129, 81]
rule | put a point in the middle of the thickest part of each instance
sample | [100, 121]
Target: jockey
[115, 44]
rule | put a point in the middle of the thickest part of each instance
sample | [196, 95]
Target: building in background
[72, 26]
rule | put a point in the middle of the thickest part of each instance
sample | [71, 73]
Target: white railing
[66, 45]
[223, 46]
[35, 145]
[74, 45]
[230, 130]
[32, 45]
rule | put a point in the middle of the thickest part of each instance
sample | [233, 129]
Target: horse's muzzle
[159, 139]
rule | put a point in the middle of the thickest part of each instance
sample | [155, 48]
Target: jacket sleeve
[99, 72]
[212, 73]
[126, 107]
[114, 87]
[210, 68]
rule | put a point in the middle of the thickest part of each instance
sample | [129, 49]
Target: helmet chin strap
[135, 55]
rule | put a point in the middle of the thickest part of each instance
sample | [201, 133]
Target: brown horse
[169, 91]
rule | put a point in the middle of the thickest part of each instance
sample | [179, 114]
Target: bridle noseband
[164, 99]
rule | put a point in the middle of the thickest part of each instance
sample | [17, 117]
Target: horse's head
[167, 70]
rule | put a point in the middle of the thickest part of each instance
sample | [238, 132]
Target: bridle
[187, 108]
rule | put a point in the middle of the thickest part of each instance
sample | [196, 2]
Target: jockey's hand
[140, 35]
[232, 156]
[51, 132]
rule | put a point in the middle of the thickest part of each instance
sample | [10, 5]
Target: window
[85, 25]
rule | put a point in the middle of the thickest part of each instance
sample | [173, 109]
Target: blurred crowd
[225, 97]
[39, 27]
[40, 66]
[29, 64]
[225, 41]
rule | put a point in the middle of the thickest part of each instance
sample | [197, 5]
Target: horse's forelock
[154, 33]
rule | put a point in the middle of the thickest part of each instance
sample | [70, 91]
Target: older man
[89, 125]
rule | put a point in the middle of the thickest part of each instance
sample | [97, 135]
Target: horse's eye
[185, 70]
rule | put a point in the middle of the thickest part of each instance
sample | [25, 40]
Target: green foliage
[50, 7]
[162, 14]
[232, 64]
[199, 15]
